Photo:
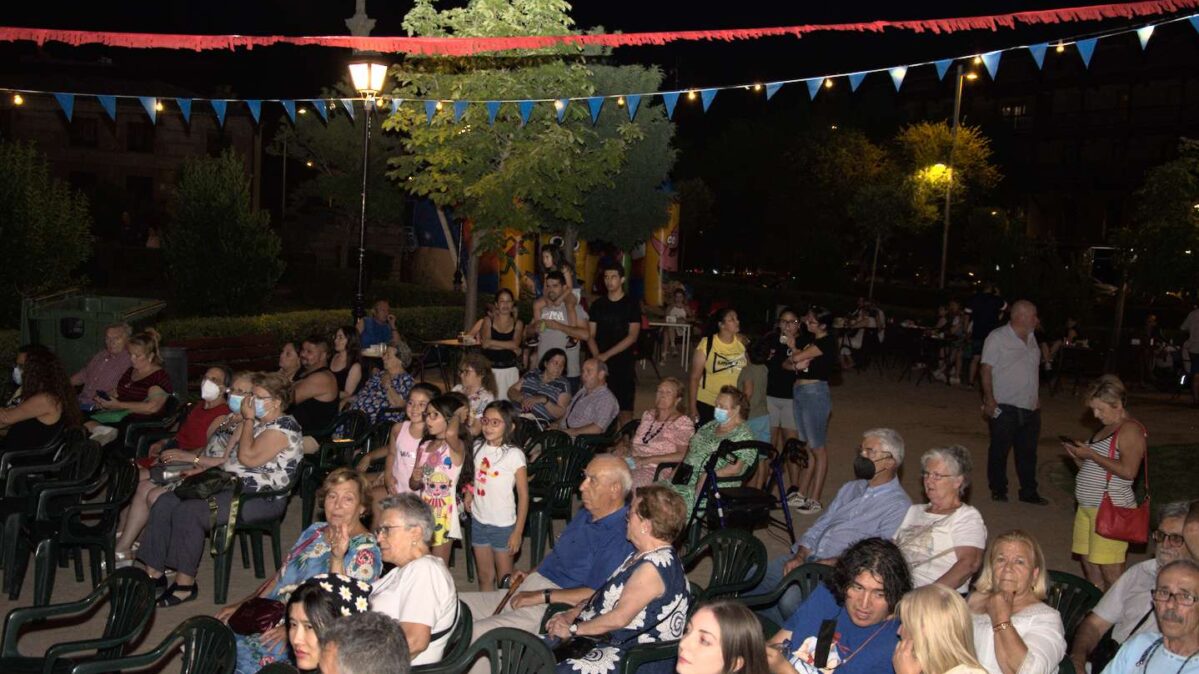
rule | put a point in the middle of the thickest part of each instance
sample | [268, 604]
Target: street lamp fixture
[368, 76]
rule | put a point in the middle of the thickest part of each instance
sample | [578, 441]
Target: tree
[509, 176]
[44, 224]
[222, 257]
[1160, 248]
[924, 151]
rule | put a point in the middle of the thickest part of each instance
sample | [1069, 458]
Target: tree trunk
[1118, 325]
[570, 238]
[878, 242]
[472, 287]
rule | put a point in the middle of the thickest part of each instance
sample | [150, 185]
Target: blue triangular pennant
[772, 89]
[526, 109]
[430, 110]
[460, 109]
[706, 95]
[1038, 53]
[943, 67]
[255, 107]
[1086, 49]
[595, 104]
[855, 80]
[1194, 22]
[348, 104]
[67, 103]
[560, 105]
[148, 102]
[185, 106]
[321, 108]
[633, 100]
[218, 106]
[290, 108]
[1143, 34]
[109, 103]
[897, 75]
[991, 62]
[671, 98]
[814, 86]
[493, 109]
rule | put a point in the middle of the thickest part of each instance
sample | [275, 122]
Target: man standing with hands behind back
[1010, 381]
[615, 325]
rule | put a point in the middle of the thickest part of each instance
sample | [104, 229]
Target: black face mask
[863, 468]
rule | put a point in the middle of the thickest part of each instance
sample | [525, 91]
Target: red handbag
[1123, 524]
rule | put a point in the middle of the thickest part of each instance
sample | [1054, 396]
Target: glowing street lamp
[368, 76]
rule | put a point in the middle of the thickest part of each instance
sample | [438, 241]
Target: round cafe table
[447, 361]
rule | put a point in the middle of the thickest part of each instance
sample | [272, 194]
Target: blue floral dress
[372, 398]
[309, 557]
[662, 619]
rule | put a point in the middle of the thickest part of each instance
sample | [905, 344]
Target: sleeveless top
[502, 358]
[312, 414]
[405, 457]
[1091, 478]
[722, 366]
[439, 489]
[30, 434]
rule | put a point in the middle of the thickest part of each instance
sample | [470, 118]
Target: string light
[977, 60]
[691, 95]
[558, 105]
[972, 75]
[309, 163]
[620, 101]
[18, 99]
[438, 106]
[828, 83]
[158, 106]
[1061, 47]
[757, 87]
[303, 111]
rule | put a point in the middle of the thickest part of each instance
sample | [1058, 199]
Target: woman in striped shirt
[1109, 462]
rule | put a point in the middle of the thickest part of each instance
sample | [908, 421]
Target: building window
[139, 137]
[1016, 115]
[85, 132]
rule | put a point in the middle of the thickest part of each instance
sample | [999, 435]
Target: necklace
[651, 433]
[1148, 655]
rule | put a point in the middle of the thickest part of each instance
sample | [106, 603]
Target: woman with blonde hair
[662, 436]
[1014, 629]
[935, 634]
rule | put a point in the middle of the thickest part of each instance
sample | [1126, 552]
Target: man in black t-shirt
[985, 309]
[615, 325]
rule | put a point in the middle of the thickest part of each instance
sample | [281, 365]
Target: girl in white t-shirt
[499, 501]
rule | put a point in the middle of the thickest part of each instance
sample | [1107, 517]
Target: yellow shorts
[1095, 548]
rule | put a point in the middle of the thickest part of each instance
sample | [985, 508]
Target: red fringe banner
[465, 46]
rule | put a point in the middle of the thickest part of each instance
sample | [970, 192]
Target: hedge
[416, 324]
[9, 341]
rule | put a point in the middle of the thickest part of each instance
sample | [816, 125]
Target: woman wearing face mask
[47, 401]
[339, 545]
[202, 418]
[267, 450]
[729, 424]
[722, 637]
[313, 607]
[164, 477]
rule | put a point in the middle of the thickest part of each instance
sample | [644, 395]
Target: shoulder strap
[1114, 447]
[703, 378]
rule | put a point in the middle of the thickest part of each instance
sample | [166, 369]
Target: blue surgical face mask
[259, 408]
[721, 415]
[16, 375]
[235, 400]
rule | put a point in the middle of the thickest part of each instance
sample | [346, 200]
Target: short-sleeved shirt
[479, 400]
[193, 432]
[495, 481]
[1127, 601]
[102, 373]
[820, 367]
[928, 540]
[422, 592]
[1015, 368]
[374, 332]
[984, 310]
[864, 650]
[612, 319]
[588, 551]
[139, 391]
[757, 375]
[1145, 654]
[534, 385]
[779, 380]
[597, 406]
[722, 365]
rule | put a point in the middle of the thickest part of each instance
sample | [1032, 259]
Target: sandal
[171, 598]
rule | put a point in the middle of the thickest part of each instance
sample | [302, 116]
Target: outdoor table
[685, 327]
[456, 347]
[1077, 361]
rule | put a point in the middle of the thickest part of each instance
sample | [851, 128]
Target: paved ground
[929, 415]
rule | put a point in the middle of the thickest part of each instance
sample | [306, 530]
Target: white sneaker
[810, 507]
[796, 499]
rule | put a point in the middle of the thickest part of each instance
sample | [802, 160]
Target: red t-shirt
[193, 432]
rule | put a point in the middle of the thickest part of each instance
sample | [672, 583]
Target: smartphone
[103, 396]
[1067, 439]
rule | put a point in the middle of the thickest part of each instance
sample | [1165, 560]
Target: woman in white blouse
[1015, 631]
[943, 540]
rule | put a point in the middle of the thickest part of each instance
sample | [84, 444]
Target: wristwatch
[546, 595]
[573, 629]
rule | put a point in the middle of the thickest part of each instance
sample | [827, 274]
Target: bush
[414, 295]
[45, 227]
[216, 237]
[416, 324]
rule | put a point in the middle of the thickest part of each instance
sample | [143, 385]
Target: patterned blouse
[372, 398]
[278, 472]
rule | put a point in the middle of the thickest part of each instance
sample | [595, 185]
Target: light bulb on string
[620, 101]
[1061, 47]
[18, 99]
[691, 95]
[977, 60]
[828, 83]
[757, 87]
[438, 106]
[158, 106]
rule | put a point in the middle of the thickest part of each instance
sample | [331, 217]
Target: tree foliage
[923, 145]
[222, 257]
[1160, 249]
[44, 224]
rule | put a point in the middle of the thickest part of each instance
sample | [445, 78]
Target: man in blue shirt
[591, 547]
[848, 625]
[1176, 649]
[871, 506]
[377, 328]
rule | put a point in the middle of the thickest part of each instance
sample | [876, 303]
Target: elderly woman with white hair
[419, 591]
[944, 539]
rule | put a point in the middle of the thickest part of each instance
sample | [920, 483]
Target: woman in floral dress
[644, 601]
[661, 437]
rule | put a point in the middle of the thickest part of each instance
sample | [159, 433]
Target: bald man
[587, 552]
[1010, 381]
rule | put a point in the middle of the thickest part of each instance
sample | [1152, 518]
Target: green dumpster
[72, 324]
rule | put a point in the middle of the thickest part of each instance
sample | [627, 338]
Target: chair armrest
[56, 489]
[662, 466]
[595, 441]
[129, 662]
[7, 461]
[640, 654]
[144, 440]
[551, 611]
[19, 617]
[18, 475]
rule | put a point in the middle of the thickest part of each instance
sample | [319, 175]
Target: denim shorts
[760, 426]
[489, 536]
[813, 405]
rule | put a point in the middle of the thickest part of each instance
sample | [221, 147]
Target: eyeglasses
[877, 454]
[383, 529]
[464, 371]
[934, 477]
[1174, 540]
[491, 423]
[1183, 599]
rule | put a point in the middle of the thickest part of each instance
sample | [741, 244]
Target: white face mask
[16, 375]
[209, 391]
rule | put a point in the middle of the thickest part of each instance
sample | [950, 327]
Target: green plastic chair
[208, 648]
[223, 554]
[509, 650]
[356, 428]
[1073, 597]
[457, 643]
[554, 477]
[738, 562]
[129, 593]
[807, 577]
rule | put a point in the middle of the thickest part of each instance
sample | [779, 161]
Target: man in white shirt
[1011, 363]
[1127, 607]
